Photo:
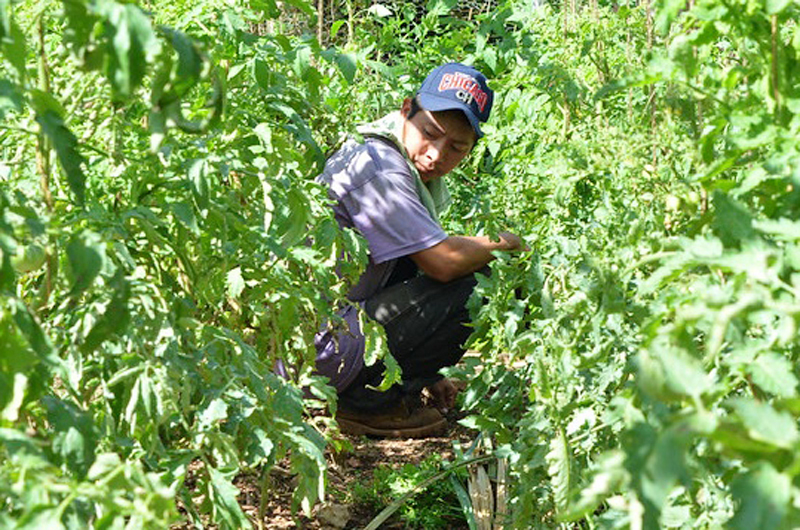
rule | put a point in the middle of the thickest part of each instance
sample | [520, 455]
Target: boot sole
[424, 431]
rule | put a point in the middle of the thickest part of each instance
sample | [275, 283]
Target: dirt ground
[357, 465]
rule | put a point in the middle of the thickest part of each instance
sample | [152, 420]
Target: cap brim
[436, 104]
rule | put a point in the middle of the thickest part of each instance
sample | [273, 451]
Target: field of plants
[163, 244]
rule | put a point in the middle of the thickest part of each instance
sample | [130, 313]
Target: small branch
[96, 150]
[650, 258]
[18, 129]
[702, 92]
[78, 99]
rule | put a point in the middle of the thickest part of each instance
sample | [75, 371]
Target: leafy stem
[394, 506]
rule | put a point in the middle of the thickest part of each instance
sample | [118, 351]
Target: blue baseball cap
[456, 86]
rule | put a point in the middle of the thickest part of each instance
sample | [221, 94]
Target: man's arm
[458, 256]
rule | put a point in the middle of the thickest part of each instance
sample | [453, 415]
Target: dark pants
[425, 328]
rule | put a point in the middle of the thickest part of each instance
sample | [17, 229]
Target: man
[418, 280]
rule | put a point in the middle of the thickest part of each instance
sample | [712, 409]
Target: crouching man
[390, 188]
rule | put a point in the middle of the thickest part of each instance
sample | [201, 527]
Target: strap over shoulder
[434, 194]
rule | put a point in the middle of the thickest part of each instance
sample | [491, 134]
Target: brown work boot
[399, 422]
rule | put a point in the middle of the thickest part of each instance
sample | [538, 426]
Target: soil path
[357, 465]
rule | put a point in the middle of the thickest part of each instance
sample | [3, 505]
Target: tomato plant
[652, 323]
[163, 245]
[184, 255]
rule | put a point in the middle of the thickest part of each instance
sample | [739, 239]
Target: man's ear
[406, 107]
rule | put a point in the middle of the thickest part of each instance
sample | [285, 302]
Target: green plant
[184, 255]
[436, 506]
[653, 322]
[163, 245]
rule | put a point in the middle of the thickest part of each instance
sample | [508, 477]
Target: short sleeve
[383, 204]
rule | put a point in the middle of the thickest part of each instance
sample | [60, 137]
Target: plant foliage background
[162, 245]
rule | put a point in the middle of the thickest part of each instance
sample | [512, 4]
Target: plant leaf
[86, 258]
[348, 66]
[115, 318]
[559, 467]
[766, 424]
[235, 282]
[199, 183]
[773, 373]
[75, 436]
[732, 223]
[225, 504]
[132, 43]
[773, 7]
[66, 146]
[764, 495]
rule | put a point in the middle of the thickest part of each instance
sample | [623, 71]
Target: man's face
[436, 141]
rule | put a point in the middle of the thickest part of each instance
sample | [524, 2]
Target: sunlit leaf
[380, 10]
[235, 282]
[42, 517]
[132, 44]
[104, 463]
[215, 412]
[302, 61]
[668, 373]
[336, 26]
[225, 503]
[607, 479]
[773, 373]
[764, 423]
[773, 7]
[667, 11]
[440, 7]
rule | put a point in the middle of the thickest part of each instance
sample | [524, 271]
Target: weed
[435, 507]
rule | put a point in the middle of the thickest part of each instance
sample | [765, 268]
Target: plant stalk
[350, 20]
[44, 166]
[394, 506]
[649, 27]
[43, 145]
[776, 94]
[320, 20]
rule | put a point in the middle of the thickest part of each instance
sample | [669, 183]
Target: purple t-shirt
[375, 193]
